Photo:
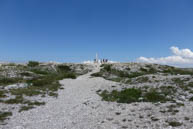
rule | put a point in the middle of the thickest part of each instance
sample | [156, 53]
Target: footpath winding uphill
[77, 107]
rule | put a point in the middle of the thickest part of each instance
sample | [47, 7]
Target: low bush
[142, 79]
[7, 81]
[33, 63]
[2, 94]
[107, 67]
[174, 123]
[30, 105]
[175, 71]
[96, 74]
[125, 96]
[168, 90]
[191, 99]
[4, 115]
[28, 91]
[154, 96]
[63, 68]
[25, 74]
[25, 108]
[16, 100]
[130, 95]
[39, 71]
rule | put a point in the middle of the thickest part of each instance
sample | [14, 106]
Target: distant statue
[100, 61]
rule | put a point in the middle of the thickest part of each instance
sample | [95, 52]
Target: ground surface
[79, 107]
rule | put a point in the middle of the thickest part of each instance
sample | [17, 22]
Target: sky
[74, 30]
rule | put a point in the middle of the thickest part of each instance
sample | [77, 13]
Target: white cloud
[180, 57]
[186, 53]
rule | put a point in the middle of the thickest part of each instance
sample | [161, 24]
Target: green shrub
[7, 81]
[135, 74]
[190, 84]
[175, 71]
[39, 71]
[36, 103]
[109, 96]
[174, 123]
[25, 108]
[126, 96]
[129, 95]
[152, 71]
[25, 74]
[168, 90]
[64, 68]
[154, 96]
[16, 100]
[102, 65]
[30, 105]
[28, 91]
[67, 75]
[118, 79]
[107, 67]
[96, 74]
[142, 79]
[2, 94]
[143, 70]
[4, 115]
[33, 63]
[178, 81]
[191, 99]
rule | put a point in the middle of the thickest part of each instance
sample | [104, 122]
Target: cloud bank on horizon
[180, 57]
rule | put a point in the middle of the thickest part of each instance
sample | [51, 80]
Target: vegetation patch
[4, 115]
[167, 90]
[96, 74]
[142, 80]
[25, 108]
[130, 95]
[176, 71]
[125, 96]
[178, 81]
[30, 105]
[2, 94]
[33, 63]
[174, 123]
[7, 81]
[191, 99]
[39, 71]
[154, 96]
[16, 100]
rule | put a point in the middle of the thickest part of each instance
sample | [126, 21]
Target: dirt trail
[77, 107]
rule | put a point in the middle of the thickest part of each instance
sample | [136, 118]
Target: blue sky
[74, 30]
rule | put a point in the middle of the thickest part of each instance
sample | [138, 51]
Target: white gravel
[79, 107]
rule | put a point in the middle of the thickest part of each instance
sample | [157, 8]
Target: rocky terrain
[110, 96]
[24, 86]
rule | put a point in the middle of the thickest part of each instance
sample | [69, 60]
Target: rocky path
[77, 107]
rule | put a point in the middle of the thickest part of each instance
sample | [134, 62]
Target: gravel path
[77, 107]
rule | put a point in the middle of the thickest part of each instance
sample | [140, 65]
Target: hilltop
[110, 96]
